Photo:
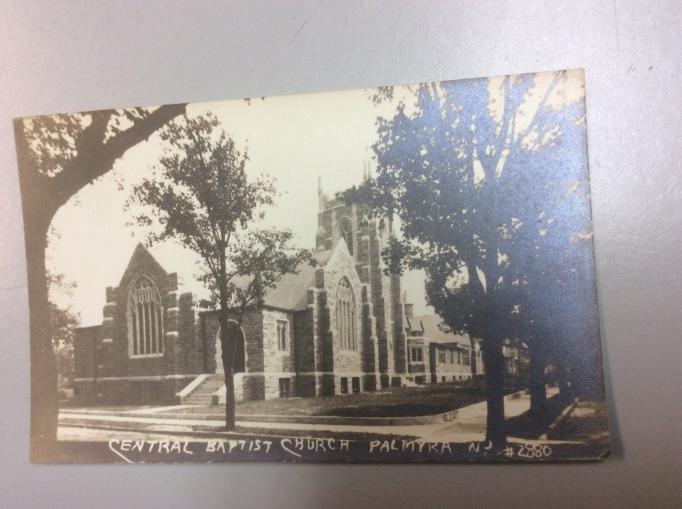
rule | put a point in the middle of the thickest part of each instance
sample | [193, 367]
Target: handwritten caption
[134, 451]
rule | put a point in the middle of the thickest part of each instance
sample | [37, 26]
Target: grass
[393, 402]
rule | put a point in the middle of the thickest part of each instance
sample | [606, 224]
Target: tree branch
[96, 159]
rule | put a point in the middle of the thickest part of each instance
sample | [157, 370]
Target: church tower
[366, 236]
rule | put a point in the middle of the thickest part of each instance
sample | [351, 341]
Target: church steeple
[321, 197]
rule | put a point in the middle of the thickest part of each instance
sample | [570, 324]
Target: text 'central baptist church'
[335, 328]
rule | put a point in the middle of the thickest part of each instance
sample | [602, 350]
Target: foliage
[202, 197]
[483, 203]
[63, 321]
[57, 156]
[490, 189]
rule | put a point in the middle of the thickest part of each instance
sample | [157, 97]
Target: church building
[331, 329]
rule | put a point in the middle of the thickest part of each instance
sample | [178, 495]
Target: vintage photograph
[399, 274]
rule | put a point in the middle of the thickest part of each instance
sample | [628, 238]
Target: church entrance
[240, 351]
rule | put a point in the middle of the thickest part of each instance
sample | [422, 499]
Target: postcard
[399, 274]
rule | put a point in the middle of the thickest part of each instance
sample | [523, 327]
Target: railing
[191, 387]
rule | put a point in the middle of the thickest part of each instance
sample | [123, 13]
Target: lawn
[393, 402]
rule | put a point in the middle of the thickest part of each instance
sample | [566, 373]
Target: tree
[56, 157]
[202, 197]
[551, 256]
[62, 323]
[453, 171]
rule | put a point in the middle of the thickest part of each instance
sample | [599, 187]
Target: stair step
[203, 394]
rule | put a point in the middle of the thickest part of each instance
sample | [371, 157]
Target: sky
[295, 139]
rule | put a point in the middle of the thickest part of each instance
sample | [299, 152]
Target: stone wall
[305, 330]
[331, 356]
[86, 342]
[277, 364]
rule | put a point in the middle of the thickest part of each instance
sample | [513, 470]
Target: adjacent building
[438, 356]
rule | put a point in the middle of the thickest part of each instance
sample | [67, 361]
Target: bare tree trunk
[44, 409]
[230, 403]
[472, 356]
[228, 345]
[563, 377]
[41, 198]
[494, 388]
[536, 383]
[38, 211]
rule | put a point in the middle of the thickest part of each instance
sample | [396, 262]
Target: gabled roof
[291, 292]
[433, 332]
[144, 253]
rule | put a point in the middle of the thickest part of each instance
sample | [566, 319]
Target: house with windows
[334, 328]
[435, 355]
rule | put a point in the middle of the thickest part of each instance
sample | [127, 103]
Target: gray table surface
[70, 56]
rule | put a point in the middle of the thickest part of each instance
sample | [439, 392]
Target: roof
[433, 332]
[291, 291]
[140, 251]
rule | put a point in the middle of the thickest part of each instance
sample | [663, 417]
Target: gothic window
[346, 316]
[145, 320]
[282, 335]
[345, 230]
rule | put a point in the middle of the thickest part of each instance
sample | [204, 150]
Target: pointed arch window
[345, 230]
[346, 322]
[145, 320]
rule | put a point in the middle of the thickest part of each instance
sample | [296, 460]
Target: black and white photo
[398, 274]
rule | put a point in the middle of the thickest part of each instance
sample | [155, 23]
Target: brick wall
[183, 350]
[85, 342]
[130, 391]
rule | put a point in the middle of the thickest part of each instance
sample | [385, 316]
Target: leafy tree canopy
[201, 195]
[490, 188]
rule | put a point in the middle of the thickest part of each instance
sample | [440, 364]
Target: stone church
[331, 329]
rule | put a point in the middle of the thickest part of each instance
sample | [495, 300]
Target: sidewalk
[468, 424]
